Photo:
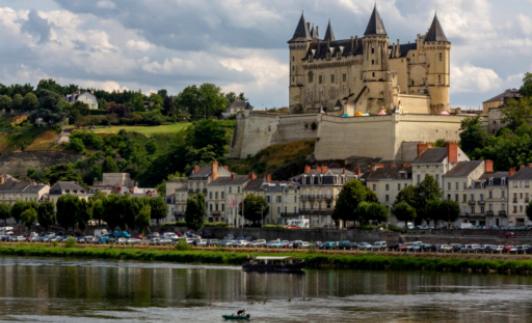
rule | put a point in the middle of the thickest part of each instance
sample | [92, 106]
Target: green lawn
[145, 130]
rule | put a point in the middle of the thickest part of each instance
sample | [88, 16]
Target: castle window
[310, 77]
[372, 62]
[439, 79]
[344, 77]
[293, 58]
[373, 74]
[372, 50]
[440, 55]
[320, 79]
[332, 78]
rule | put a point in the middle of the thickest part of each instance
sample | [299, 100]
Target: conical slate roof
[375, 24]
[302, 30]
[435, 32]
[329, 33]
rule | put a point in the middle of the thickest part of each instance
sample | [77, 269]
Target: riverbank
[314, 259]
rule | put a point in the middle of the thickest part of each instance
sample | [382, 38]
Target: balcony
[315, 212]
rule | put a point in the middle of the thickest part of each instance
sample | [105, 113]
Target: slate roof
[254, 185]
[231, 180]
[507, 94]
[390, 173]
[12, 185]
[302, 31]
[463, 168]
[432, 155]
[494, 179]
[375, 24]
[523, 174]
[329, 33]
[435, 32]
[278, 186]
[66, 186]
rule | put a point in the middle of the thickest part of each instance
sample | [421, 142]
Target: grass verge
[313, 259]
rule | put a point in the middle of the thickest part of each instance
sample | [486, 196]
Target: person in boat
[241, 312]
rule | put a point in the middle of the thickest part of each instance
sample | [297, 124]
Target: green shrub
[70, 242]
[273, 227]
[182, 245]
[215, 225]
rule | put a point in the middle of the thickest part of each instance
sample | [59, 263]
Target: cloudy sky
[241, 44]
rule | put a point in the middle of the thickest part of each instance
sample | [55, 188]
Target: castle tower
[298, 45]
[375, 63]
[329, 33]
[438, 51]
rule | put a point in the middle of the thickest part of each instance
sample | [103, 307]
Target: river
[59, 290]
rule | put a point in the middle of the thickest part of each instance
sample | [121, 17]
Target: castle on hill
[368, 74]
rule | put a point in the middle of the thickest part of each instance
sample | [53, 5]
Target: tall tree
[143, 218]
[18, 208]
[404, 212]
[68, 210]
[372, 212]
[28, 217]
[526, 88]
[352, 194]
[255, 209]
[5, 212]
[443, 210]
[426, 191]
[472, 136]
[529, 210]
[408, 195]
[30, 102]
[208, 133]
[46, 214]
[159, 209]
[195, 211]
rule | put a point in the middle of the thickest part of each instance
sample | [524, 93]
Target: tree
[5, 102]
[408, 195]
[443, 210]
[206, 133]
[68, 210]
[526, 88]
[5, 212]
[518, 112]
[97, 208]
[472, 136]
[17, 102]
[143, 217]
[195, 212]
[372, 212]
[28, 217]
[18, 208]
[46, 214]
[352, 193]
[255, 208]
[426, 191]
[159, 209]
[529, 211]
[30, 102]
[404, 212]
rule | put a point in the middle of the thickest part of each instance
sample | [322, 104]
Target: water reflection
[56, 289]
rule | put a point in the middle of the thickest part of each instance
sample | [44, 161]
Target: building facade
[368, 74]
[519, 194]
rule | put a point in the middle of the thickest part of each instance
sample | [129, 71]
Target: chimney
[269, 178]
[2, 179]
[308, 169]
[488, 166]
[511, 172]
[232, 176]
[214, 170]
[324, 169]
[196, 169]
[252, 176]
[422, 147]
[378, 166]
[452, 152]
[318, 169]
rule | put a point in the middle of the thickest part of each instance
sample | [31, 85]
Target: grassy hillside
[145, 130]
[282, 160]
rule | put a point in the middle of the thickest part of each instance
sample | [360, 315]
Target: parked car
[344, 244]
[380, 245]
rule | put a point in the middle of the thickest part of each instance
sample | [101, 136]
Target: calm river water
[58, 290]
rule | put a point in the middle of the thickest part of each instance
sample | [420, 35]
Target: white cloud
[105, 4]
[469, 78]
[140, 45]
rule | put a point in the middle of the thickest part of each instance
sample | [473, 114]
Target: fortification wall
[253, 133]
[296, 127]
[340, 138]
[414, 104]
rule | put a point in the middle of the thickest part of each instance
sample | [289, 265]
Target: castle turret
[298, 44]
[375, 63]
[438, 50]
[329, 33]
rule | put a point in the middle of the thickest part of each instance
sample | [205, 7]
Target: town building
[318, 191]
[67, 187]
[238, 106]
[13, 190]
[368, 74]
[386, 181]
[519, 194]
[494, 107]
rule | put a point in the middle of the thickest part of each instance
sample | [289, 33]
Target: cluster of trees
[424, 202]
[70, 212]
[149, 160]
[358, 204]
[511, 146]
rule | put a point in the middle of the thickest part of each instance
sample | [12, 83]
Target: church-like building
[368, 75]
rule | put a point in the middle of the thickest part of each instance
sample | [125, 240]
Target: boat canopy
[272, 258]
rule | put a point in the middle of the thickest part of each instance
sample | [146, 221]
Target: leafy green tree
[372, 212]
[208, 133]
[195, 211]
[68, 210]
[84, 214]
[255, 209]
[407, 195]
[5, 212]
[30, 102]
[18, 208]
[46, 214]
[526, 88]
[404, 212]
[76, 145]
[18, 102]
[518, 112]
[159, 209]
[351, 195]
[529, 210]
[443, 210]
[97, 207]
[5, 102]
[28, 217]
[113, 211]
[212, 99]
[426, 191]
[472, 136]
[143, 217]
